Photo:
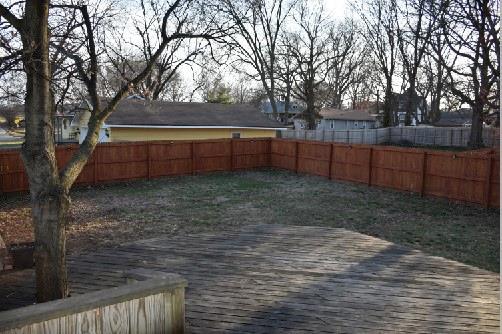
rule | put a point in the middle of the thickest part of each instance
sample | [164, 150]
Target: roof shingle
[159, 113]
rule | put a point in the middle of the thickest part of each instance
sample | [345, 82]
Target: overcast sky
[336, 7]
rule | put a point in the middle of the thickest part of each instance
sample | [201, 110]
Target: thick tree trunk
[49, 201]
[411, 108]
[273, 103]
[476, 136]
[50, 214]
[387, 107]
[311, 119]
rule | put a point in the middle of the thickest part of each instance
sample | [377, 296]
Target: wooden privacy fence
[469, 177]
[143, 160]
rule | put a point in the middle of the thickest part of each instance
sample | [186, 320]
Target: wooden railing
[152, 306]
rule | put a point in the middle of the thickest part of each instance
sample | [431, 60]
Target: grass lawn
[111, 214]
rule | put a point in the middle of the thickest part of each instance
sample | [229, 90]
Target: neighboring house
[64, 132]
[140, 120]
[400, 104]
[337, 119]
[459, 118]
[299, 122]
[294, 110]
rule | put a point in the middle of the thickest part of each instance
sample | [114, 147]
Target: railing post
[331, 148]
[423, 171]
[370, 162]
[488, 183]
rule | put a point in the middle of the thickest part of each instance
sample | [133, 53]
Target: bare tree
[175, 90]
[313, 61]
[286, 69]
[258, 25]
[414, 36]
[431, 80]
[364, 84]
[49, 186]
[380, 21]
[178, 53]
[349, 52]
[241, 91]
[471, 33]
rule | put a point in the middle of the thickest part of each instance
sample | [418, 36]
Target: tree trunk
[411, 108]
[48, 199]
[311, 120]
[273, 103]
[476, 136]
[50, 214]
[287, 103]
[387, 107]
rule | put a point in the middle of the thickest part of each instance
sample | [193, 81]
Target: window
[356, 124]
[332, 124]
[236, 135]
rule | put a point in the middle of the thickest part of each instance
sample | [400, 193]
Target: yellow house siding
[141, 134]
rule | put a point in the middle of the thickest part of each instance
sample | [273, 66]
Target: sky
[336, 8]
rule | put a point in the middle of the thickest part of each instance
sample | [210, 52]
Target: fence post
[96, 164]
[488, 180]
[149, 160]
[231, 154]
[330, 164]
[269, 155]
[423, 171]
[296, 157]
[193, 157]
[370, 162]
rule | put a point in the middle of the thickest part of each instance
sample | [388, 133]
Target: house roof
[138, 113]
[348, 115]
[455, 118]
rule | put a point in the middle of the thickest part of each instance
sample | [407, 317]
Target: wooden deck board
[275, 279]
